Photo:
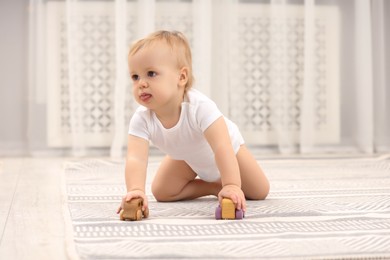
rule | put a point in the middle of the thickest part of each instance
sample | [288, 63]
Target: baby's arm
[218, 137]
[135, 171]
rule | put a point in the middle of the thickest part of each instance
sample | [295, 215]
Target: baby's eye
[134, 77]
[152, 74]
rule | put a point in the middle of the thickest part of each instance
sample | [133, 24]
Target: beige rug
[317, 209]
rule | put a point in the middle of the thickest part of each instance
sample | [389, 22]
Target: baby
[205, 152]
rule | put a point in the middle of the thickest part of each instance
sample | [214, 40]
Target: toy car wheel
[239, 214]
[121, 215]
[146, 213]
[139, 215]
[218, 212]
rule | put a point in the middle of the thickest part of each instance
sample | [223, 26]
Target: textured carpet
[317, 209]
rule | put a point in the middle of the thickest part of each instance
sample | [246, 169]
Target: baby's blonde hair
[179, 46]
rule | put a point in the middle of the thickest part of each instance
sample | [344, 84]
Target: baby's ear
[183, 76]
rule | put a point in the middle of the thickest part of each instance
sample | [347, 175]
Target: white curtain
[296, 76]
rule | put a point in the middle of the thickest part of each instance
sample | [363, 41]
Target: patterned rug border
[98, 234]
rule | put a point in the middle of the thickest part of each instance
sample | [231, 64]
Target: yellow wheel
[121, 215]
[139, 214]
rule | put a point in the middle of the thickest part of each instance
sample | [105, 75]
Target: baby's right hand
[132, 195]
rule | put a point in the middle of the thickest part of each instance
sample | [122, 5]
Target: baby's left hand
[234, 193]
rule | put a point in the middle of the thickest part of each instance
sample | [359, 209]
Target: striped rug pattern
[318, 208]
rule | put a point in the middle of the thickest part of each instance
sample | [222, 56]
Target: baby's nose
[143, 83]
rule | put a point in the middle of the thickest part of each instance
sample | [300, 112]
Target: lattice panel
[96, 62]
[265, 85]
[267, 88]
[98, 74]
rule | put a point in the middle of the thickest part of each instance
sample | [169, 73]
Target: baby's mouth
[145, 96]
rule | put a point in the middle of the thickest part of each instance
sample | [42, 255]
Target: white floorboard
[31, 217]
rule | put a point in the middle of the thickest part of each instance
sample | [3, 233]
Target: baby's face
[155, 76]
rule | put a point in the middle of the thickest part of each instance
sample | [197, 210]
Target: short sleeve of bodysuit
[206, 112]
[139, 123]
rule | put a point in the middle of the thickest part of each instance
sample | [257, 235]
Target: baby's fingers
[241, 202]
[121, 205]
[244, 205]
[131, 196]
[237, 201]
[145, 203]
[128, 197]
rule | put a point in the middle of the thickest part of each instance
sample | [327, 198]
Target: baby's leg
[254, 183]
[175, 180]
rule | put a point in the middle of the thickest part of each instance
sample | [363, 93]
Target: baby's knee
[257, 196]
[156, 191]
[260, 194]
[159, 192]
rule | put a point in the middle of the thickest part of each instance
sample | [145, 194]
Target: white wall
[13, 76]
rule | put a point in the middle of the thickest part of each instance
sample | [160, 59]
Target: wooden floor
[31, 216]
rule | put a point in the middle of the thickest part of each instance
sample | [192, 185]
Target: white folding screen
[254, 68]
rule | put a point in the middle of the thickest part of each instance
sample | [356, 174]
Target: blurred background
[297, 77]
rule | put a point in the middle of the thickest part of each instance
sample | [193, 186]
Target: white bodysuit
[185, 141]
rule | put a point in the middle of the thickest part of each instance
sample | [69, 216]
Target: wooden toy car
[227, 210]
[132, 210]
